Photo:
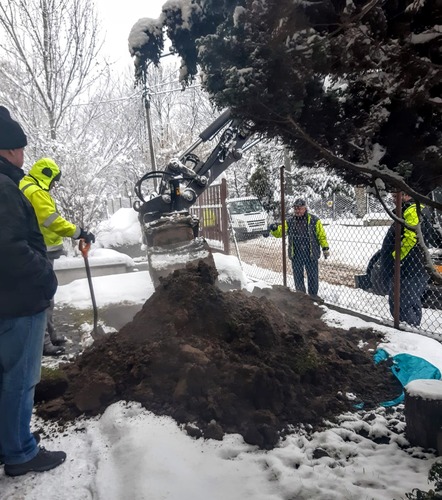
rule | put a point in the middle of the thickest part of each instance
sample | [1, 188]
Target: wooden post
[423, 413]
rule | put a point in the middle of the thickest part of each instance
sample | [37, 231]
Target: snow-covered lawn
[129, 453]
[351, 248]
[354, 245]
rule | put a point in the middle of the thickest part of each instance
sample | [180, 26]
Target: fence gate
[211, 210]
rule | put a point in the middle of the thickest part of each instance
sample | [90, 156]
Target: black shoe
[59, 340]
[43, 461]
[52, 350]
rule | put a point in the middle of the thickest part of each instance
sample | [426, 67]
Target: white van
[247, 216]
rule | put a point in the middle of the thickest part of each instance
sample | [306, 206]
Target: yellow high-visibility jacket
[315, 240]
[209, 218]
[35, 186]
[408, 237]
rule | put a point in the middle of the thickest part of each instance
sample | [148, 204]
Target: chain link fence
[112, 205]
[355, 227]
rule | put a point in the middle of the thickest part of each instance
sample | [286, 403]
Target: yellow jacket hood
[35, 186]
[45, 171]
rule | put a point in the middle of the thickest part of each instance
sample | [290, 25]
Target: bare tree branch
[370, 171]
[55, 43]
[429, 264]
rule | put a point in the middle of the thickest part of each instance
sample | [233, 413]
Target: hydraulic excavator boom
[169, 230]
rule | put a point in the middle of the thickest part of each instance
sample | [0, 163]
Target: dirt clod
[227, 362]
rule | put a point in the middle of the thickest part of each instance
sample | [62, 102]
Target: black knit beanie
[11, 134]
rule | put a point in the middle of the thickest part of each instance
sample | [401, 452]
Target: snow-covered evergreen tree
[353, 85]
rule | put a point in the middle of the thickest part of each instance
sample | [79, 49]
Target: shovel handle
[84, 247]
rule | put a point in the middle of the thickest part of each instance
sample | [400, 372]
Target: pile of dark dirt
[226, 362]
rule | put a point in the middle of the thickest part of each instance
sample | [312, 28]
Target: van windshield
[245, 207]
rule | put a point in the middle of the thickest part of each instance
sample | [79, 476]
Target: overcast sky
[117, 19]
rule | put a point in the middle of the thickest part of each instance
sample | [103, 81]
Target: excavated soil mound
[226, 362]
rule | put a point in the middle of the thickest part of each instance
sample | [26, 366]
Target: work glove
[273, 227]
[326, 253]
[86, 236]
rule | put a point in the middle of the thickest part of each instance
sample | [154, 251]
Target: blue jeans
[299, 263]
[21, 349]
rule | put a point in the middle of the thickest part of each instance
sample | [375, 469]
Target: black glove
[273, 227]
[326, 253]
[86, 236]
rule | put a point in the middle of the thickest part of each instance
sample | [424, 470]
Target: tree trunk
[361, 202]
[423, 413]
[289, 170]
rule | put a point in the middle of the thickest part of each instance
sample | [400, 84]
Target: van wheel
[240, 236]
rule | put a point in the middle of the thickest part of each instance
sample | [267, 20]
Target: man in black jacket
[27, 284]
[413, 274]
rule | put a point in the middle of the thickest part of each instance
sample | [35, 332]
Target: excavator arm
[170, 231]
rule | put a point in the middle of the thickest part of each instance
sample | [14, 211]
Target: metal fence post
[397, 262]
[284, 255]
[224, 218]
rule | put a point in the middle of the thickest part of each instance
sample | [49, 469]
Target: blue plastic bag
[406, 368]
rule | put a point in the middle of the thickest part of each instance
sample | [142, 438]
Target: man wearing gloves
[27, 284]
[36, 186]
[306, 238]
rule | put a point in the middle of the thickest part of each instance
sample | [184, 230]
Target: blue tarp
[406, 368]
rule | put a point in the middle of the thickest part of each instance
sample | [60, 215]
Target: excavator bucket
[170, 232]
[171, 245]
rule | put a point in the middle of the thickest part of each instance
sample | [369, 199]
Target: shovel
[98, 331]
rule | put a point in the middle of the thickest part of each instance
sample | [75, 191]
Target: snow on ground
[96, 257]
[122, 228]
[131, 453]
[353, 245]
[376, 306]
[230, 270]
[137, 286]
[355, 299]
[396, 341]
[133, 287]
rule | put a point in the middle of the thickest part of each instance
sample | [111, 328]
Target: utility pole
[288, 169]
[146, 99]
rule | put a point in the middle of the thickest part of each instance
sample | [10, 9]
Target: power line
[134, 95]
[175, 90]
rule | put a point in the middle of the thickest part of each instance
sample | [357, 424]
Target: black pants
[50, 334]
[413, 287]
[300, 264]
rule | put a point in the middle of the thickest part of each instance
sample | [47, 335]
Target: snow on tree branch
[371, 170]
[351, 75]
[429, 265]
